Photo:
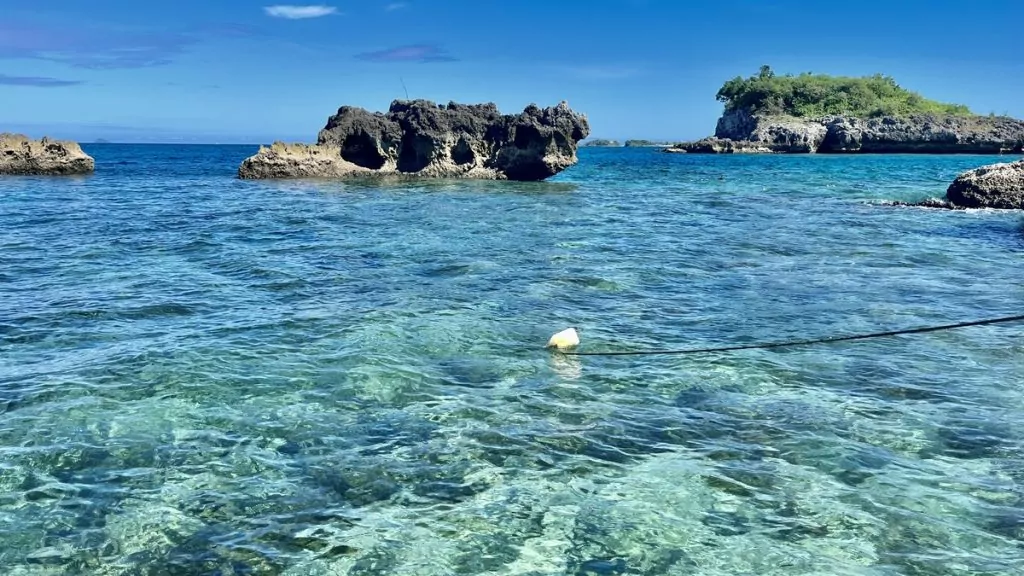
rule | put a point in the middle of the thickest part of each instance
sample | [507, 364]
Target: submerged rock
[422, 139]
[993, 186]
[23, 156]
[937, 203]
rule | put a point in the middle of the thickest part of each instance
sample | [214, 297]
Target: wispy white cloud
[396, 6]
[300, 12]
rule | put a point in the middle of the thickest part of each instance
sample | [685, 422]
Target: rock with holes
[993, 186]
[21, 156]
[419, 138]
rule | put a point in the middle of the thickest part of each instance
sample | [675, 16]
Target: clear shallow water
[205, 376]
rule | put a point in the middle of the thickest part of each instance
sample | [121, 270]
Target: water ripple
[200, 375]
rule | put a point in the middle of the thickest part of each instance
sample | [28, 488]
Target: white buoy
[565, 339]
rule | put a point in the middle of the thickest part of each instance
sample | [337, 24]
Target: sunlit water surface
[200, 375]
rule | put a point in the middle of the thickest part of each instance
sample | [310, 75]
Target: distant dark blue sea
[202, 375]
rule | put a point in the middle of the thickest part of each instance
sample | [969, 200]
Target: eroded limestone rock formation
[422, 139]
[23, 156]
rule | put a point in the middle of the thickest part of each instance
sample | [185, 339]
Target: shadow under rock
[397, 183]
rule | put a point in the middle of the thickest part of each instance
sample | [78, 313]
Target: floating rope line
[827, 340]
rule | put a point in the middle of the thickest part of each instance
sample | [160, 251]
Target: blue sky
[254, 71]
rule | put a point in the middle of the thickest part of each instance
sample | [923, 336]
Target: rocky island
[646, 143]
[816, 113]
[601, 143]
[20, 155]
[419, 138]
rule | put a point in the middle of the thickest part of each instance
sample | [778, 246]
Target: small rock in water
[21, 156]
[565, 339]
[993, 186]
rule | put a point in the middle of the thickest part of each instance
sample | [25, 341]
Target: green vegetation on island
[642, 143]
[634, 143]
[813, 95]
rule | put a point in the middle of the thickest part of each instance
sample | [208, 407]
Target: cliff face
[775, 134]
[925, 134]
[22, 156]
[420, 138]
[840, 134]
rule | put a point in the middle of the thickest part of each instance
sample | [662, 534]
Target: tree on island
[601, 143]
[816, 95]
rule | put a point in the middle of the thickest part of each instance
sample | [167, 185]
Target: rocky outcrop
[738, 125]
[740, 132]
[924, 134]
[422, 139]
[840, 134]
[998, 186]
[282, 160]
[777, 133]
[22, 156]
[992, 186]
[713, 145]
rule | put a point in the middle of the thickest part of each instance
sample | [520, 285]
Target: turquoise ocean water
[200, 375]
